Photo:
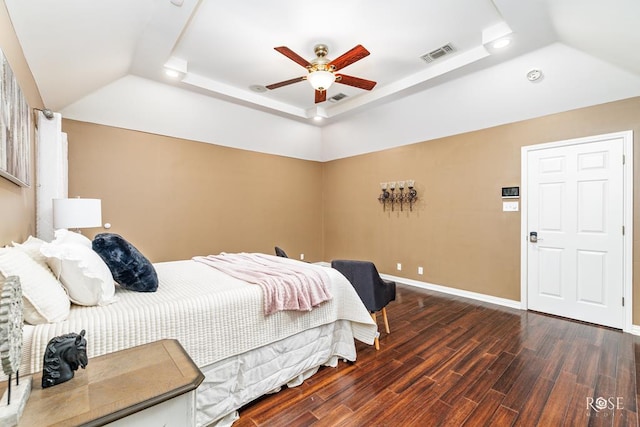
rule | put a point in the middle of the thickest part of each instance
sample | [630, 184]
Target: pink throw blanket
[285, 285]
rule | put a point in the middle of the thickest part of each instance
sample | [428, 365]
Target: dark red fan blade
[285, 83]
[355, 81]
[293, 56]
[355, 54]
[321, 96]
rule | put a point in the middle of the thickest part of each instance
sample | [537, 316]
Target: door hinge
[623, 301]
[623, 230]
[624, 159]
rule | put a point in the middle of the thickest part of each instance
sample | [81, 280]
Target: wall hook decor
[401, 197]
[385, 196]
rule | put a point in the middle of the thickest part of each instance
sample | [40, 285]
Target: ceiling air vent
[438, 53]
[338, 97]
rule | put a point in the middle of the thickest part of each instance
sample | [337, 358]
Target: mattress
[213, 315]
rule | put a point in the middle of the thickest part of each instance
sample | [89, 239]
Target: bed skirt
[233, 382]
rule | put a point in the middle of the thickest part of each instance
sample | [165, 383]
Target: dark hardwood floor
[452, 361]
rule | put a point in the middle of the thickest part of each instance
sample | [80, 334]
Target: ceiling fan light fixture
[321, 79]
[320, 70]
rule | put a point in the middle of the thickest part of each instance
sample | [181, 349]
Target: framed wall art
[15, 128]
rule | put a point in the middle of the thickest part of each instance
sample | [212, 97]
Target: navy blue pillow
[129, 268]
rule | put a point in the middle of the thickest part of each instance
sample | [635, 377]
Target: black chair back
[374, 291]
[280, 252]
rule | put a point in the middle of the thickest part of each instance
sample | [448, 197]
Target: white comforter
[213, 315]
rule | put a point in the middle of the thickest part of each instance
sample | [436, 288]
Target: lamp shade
[77, 213]
[321, 80]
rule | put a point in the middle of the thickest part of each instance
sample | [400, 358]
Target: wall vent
[338, 97]
[447, 49]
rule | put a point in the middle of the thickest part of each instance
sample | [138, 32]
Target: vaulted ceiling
[105, 63]
[226, 49]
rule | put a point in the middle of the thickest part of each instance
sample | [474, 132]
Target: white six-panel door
[575, 204]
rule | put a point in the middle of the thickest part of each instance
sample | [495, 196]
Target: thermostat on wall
[510, 192]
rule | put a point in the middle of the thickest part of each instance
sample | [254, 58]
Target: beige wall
[457, 231]
[174, 199]
[17, 204]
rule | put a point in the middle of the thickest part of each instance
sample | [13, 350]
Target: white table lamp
[77, 213]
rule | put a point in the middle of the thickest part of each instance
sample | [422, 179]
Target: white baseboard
[635, 329]
[457, 292]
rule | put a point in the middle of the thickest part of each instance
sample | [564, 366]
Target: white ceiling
[76, 47]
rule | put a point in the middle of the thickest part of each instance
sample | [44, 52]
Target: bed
[221, 323]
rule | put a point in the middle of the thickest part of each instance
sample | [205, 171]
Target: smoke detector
[534, 75]
[258, 88]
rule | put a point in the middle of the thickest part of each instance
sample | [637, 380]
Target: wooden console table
[152, 384]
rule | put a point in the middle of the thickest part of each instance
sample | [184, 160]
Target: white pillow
[83, 273]
[65, 236]
[31, 247]
[44, 298]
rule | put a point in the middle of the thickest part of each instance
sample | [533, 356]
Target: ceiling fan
[322, 70]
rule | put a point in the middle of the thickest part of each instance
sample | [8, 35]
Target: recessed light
[318, 118]
[496, 34]
[258, 88]
[501, 43]
[176, 68]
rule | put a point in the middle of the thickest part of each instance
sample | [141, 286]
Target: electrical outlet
[420, 270]
[399, 266]
[301, 257]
